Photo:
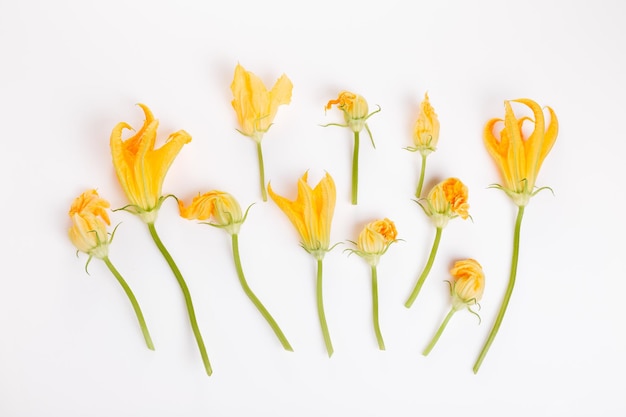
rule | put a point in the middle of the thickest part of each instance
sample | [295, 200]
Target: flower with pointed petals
[519, 156]
[141, 168]
[254, 105]
[311, 213]
[425, 137]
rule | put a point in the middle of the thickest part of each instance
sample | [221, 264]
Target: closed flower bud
[374, 240]
[469, 283]
[219, 206]
[354, 107]
[426, 133]
[89, 224]
[447, 200]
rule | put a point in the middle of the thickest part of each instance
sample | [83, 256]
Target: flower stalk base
[507, 294]
[187, 296]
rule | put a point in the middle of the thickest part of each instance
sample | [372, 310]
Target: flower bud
[218, 205]
[447, 200]
[426, 133]
[469, 283]
[354, 107]
[89, 224]
[375, 238]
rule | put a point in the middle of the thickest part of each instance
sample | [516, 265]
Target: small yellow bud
[469, 283]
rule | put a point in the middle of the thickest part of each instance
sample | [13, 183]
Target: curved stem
[254, 298]
[420, 183]
[429, 264]
[320, 310]
[261, 170]
[507, 294]
[133, 301]
[437, 335]
[379, 335]
[355, 169]
[186, 294]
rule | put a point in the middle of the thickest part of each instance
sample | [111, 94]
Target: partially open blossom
[469, 283]
[89, 224]
[255, 106]
[354, 107]
[311, 213]
[140, 168]
[217, 205]
[426, 132]
[375, 239]
[447, 200]
[519, 156]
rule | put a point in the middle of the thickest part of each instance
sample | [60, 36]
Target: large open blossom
[518, 155]
[255, 106]
[311, 213]
[140, 167]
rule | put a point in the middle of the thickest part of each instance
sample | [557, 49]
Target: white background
[69, 342]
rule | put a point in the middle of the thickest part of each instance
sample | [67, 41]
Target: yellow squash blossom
[375, 239]
[254, 105]
[425, 137]
[426, 132]
[447, 200]
[469, 283]
[311, 213]
[519, 156]
[140, 167]
[89, 224]
[466, 291]
[89, 234]
[355, 112]
[221, 206]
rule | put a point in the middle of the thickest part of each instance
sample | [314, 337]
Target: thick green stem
[186, 294]
[355, 169]
[261, 171]
[420, 182]
[133, 301]
[254, 298]
[437, 335]
[320, 310]
[507, 294]
[426, 271]
[379, 335]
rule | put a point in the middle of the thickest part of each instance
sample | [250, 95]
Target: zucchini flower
[355, 113]
[256, 108]
[225, 211]
[447, 200]
[425, 137]
[519, 158]
[312, 214]
[141, 170]
[89, 234]
[374, 241]
[466, 290]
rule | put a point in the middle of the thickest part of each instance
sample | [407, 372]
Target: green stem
[355, 169]
[420, 183]
[133, 301]
[437, 335]
[426, 270]
[379, 335]
[261, 170]
[320, 310]
[254, 298]
[186, 294]
[507, 294]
